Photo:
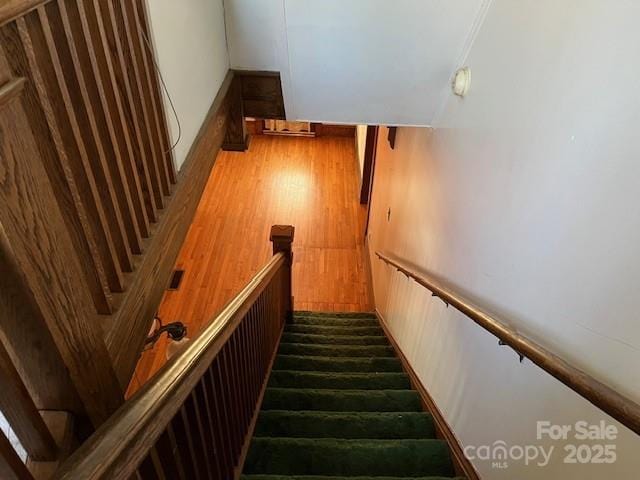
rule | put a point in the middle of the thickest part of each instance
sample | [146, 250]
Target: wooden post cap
[282, 238]
[282, 233]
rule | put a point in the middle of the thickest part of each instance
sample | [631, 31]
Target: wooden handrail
[623, 409]
[121, 445]
[12, 9]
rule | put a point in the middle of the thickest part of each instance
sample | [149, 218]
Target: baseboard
[462, 465]
[369, 272]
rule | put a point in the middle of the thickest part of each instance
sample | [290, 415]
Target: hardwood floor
[312, 183]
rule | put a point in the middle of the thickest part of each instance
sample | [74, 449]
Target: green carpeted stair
[338, 406]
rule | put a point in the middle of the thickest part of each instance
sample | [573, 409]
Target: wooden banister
[197, 414]
[12, 9]
[623, 409]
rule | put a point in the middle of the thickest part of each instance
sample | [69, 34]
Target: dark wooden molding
[369, 164]
[236, 138]
[462, 465]
[391, 137]
[129, 325]
[253, 94]
[333, 130]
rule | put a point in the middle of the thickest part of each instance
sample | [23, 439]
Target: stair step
[303, 456]
[288, 337]
[336, 321]
[338, 381]
[333, 330]
[306, 313]
[317, 350]
[369, 425]
[337, 364]
[323, 477]
[341, 400]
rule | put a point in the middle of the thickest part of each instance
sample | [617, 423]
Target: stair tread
[354, 340]
[363, 425]
[324, 477]
[307, 313]
[340, 380]
[336, 350]
[321, 363]
[334, 329]
[335, 321]
[341, 400]
[330, 456]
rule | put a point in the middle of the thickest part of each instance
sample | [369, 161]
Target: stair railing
[623, 409]
[194, 419]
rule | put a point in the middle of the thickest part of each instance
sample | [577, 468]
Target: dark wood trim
[236, 138]
[461, 464]
[45, 257]
[11, 466]
[622, 408]
[369, 164]
[129, 325]
[391, 136]
[22, 414]
[12, 9]
[255, 94]
[333, 130]
[23, 329]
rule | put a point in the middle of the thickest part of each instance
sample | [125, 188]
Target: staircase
[338, 405]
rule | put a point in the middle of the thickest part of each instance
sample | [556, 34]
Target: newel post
[282, 239]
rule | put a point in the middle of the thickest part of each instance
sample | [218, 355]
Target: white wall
[191, 48]
[354, 61]
[526, 198]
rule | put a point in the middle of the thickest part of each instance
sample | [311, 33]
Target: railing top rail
[125, 439]
[12, 9]
[623, 409]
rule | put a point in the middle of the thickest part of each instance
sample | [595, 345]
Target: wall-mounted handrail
[623, 409]
[193, 418]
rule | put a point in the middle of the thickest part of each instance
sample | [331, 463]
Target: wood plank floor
[311, 183]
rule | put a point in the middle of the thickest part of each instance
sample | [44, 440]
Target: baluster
[149, 71]
[115, 254]
[23, 416]
[145, 31]
[89, 42]
[221, 418]
[133, 109]
[52, 120]
[213, 449]
[11, 466]
[103, 36]
[184, 440]
[196, 427]
[168, 456]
